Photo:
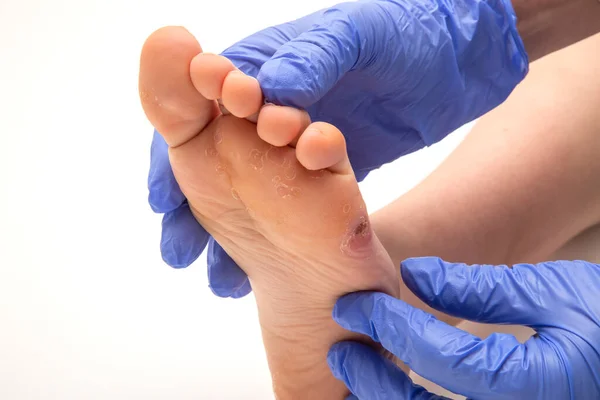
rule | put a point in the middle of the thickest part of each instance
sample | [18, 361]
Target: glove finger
[448, 356]
[164, 193]
[304, 69]
[243, 291]
[183, 238]
[225, 277]
[483, 293]
[249, 54]
[370, 376]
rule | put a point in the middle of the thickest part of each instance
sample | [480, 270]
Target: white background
[88, 310]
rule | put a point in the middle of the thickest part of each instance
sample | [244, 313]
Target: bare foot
[279, 196]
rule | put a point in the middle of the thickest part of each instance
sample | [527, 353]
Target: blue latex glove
[393, 75]
[183, 238]
[557, 299]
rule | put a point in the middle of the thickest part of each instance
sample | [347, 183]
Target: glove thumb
[304, 69]
[480, 293]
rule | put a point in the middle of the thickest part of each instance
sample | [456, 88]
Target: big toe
[171, 102]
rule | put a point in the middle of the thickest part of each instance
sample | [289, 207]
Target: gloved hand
[557, 299]
[183, 238]
[393, 75]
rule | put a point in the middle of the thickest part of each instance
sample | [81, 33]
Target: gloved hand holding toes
[392, 75]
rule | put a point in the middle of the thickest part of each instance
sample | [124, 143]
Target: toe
[170, 100]
[241, 94]
[322, 146]
[208, 72]
[281, 126]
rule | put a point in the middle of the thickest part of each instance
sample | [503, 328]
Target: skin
[534, 156]
[294, 288]
[550, 25]
[290, 215]
[501, 230]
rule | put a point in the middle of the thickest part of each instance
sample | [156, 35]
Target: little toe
[281, 126]
[208, 72]
[241, 94]
[169, 99]
[322, 146]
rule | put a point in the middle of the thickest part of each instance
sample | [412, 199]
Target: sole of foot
[277, 192]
